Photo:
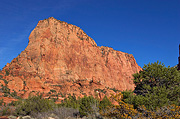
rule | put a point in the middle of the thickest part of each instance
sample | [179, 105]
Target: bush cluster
[156, 95]
[33, 104]
[127, 111]
[88, 105]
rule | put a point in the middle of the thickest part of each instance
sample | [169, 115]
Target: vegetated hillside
[61, 59]
[157, 97]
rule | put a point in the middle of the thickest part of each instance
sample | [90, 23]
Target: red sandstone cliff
[61, 57]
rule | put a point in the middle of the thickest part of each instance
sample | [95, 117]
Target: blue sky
[148, 29]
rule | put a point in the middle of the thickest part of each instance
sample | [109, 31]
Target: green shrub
[87, 104]
[7, 72]
[33, 104]
[104, 104]
[70, 102]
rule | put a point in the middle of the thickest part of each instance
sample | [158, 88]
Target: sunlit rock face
[62, 57]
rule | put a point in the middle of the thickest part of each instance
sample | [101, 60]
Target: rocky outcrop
[61, 59]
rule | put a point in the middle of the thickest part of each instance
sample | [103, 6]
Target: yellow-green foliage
[124, 110]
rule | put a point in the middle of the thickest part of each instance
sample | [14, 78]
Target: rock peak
[62, 57]
[52, 27]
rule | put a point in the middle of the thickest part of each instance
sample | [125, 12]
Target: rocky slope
[61, 59]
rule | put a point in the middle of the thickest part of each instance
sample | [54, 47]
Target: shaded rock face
[61, 57]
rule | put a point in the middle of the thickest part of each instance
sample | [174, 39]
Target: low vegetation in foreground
[157, 95]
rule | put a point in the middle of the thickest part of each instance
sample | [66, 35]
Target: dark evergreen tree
[156, 86]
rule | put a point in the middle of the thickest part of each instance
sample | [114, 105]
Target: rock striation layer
[62, 59]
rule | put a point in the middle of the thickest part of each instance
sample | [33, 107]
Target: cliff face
[61, 57]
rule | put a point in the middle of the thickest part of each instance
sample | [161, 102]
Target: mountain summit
[62, 59]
